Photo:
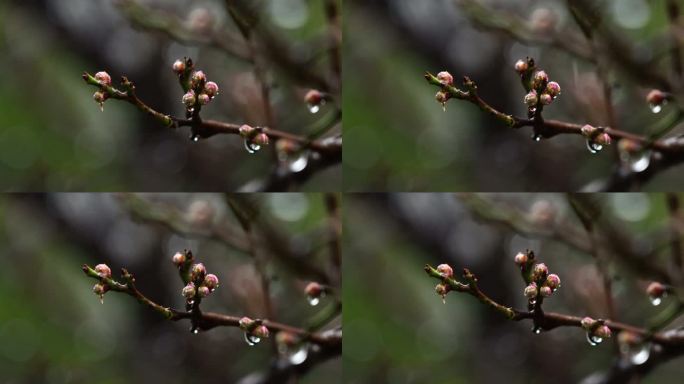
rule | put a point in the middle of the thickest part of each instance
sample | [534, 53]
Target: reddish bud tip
[531, 291]
[545, 99]
[179, 66]
[203, 99]
[445, 270]
[442, 289]
[442, 97]
[203, 291]
[445, 78]
[189, 98]
[103, 270]
[211, 281]
[545, 291]
[540, 272]
[198, 77]
[313, 97]
[521, 258]
[313, 289]
[656, 289]
[246, 130]
[100, 97]
[656, 97]
[246, 323]
[103, 78]
[588, 130]
[211, 89]
[540, 79]
[588, 323]
[100, 289]
[553, 89]
[553, 281]
[178, 259]
[261, 331]
[603, 332]
[189, 291]
[198, 272]
[521, 66]
[261, 139]
[531, 98]
[603, 139]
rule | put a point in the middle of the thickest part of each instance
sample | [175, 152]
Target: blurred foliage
[54, 329]
[398, 330]
[398, 138]
[54, 137]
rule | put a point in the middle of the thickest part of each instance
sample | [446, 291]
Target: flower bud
[211, 89]
[545, 291]
[520, 258]
[442, 97]
[103, 78]
[588, 130]
[603, 332]
[103, 270]
[246, 323]
[100, 289]
[178, 259]
[553, 89]
[531, 98]
[179, 66]
[540, 272]
[588, 323]
[545, 99]
[189, 98]
[198, 78]
[603, 139]
[656, 289]
[540, 79]
[445, 270]
[189, 291]
[521, 66]
[553, 281]
[261, 139]
[313, 97]
[198, 272]
[211, 281]
[531, 291]
[656, 97]
[100, 97]
[442, 289]
[313, 289]
[203, 291]
[246, 130]
[260, 331]
[445, 78]
[203, 99]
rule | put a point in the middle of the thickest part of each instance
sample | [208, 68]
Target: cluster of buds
[102, 287]
[200, 284]
[540, 283]
[540, 91]
[596, 330]
[444, 287]
[199, 90]
[447, 80]
[101, 95]
[597, 137]
[255, 137]
[314, 100]
[254, 330]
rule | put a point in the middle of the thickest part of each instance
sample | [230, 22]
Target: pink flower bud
[545, 291]
[442, 289]
[540, 79]
[198, 272]
[261, 139]
[261, 331]
[179, 66]
[553, 89]
[100, 289]
[198, 78]
[521, 258]
[531, 291]
[445, 78]
[313, 289]
[656, 289]
[189, 291]
[603, 332]
[521, 66]
[603, 139]
[531, 98]
[588, 130]
[246, 130]
[203, 99]
[246, 323]
[442, 97]
[445, 270]
[545, 99]
[588, 323]
[211, 281]
[203, 291]
[178, 259]
[103, 78]
[100, 97]
[103, 270]
[553, 281]
[211, 89]
[656, 97]
[313, 97]
[189, 98]
[540, 272]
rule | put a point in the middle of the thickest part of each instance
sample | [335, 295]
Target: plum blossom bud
[442, 97]
[211, 281]
[540, 79]
[588, 130]
[588, 323]
[603, 332]
[313, 289]
[246, 323]
[211, 89]
[103, 78]
[442, 289]
[553, 89]
[521, 66]
[656, 290]
[445, 270]
[521, 258]
[603, 139]
[313, 97]
[531, 98]
[189, 98]
[656, 97]
[246, 130]
[189, 291]
[178, 259]
[203, 99]
[261, 139]
[103, 270]
[445, 78]
[545, 99]
[179, 66]
[100, 289]
[261, 331]
[553, 281]
[198, 272]
[198, 77]
[203, 291]
[545, 291]
[540, 272]
[531, 291]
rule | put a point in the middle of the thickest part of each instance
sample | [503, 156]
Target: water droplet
[532, 301]
[101, 299]
[593, 147]
[298, 355]
[314, 108]
[101, 107]
[313, 301]
[194, 138]
[299, 163]
[593, 340]
[536, 137]
[251, 147]
[640, 162]
[639, 355]
[655, 300]
[194, 331]
[251, 340]
[444, 107]
[656, 108]
[536, 330]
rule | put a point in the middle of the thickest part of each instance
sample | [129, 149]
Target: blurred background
[53, 136]
[54, 330]
[399, 331]
[399, 139]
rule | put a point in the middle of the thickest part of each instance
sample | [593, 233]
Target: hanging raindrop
[314, 108]
[536, 330]
[640, 354]
[593, 340]
[251, 146]
[593, 147]
[656, 300]
[656, 108]
[251, 340]
[313, 301]
[444, 107]
[194, 138]
[536, 137]
[640, 162]
[299, 163]
[298, 355]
